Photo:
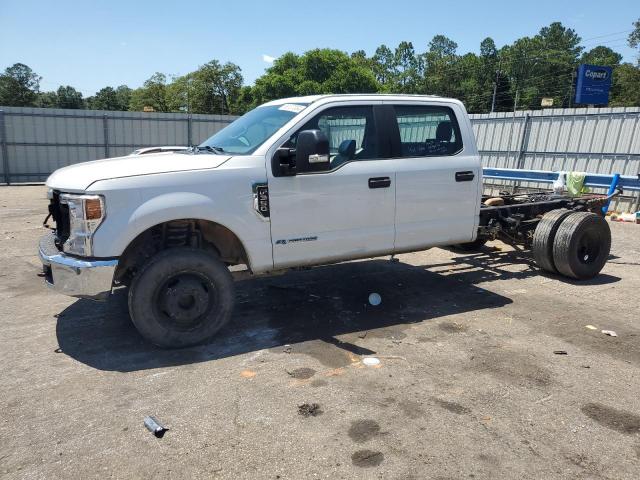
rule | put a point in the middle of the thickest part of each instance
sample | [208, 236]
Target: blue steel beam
[625, 182]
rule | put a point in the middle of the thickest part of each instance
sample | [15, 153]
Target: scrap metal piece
[155, 427]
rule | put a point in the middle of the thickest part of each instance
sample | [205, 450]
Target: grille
[60, 214]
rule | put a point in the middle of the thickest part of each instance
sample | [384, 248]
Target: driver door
[346, 211]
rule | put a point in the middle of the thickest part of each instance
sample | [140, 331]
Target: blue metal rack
[611, 182]
[614, 180]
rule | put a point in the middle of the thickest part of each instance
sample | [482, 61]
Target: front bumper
[74, 276]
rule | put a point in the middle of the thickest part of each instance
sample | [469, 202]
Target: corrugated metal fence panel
[39, 141]
[203, 126]
[598, 140]
[498, 132]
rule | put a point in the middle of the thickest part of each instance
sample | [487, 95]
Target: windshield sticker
[292, 107]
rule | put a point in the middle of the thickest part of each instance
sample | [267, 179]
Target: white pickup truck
[296, 182]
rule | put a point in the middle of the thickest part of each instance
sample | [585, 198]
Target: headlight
[86, 213]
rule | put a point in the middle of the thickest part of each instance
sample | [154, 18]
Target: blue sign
[593, 85]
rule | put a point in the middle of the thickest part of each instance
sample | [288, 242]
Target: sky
[91, 44]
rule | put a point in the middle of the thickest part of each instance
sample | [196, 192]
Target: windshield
[247, 133]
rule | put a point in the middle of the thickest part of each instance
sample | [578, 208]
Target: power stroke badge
[296, 240]
[261, 199]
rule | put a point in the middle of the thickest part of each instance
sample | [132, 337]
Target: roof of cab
[358, 96]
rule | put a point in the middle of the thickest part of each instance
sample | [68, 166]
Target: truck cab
[295, 182]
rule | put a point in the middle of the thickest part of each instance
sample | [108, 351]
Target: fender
[113, 240]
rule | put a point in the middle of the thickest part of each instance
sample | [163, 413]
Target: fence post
[524, 140]
[3, 147]
[189, 128]
[105, 129]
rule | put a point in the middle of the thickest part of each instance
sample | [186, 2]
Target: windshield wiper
[209, 148]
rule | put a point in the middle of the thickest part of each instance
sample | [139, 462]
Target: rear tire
[181, 297]
[582, 245]
[543, 237]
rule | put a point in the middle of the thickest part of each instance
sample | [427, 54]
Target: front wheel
[181, 297]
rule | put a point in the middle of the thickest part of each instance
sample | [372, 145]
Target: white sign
[292, 107]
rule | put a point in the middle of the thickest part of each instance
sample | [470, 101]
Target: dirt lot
[468, 385]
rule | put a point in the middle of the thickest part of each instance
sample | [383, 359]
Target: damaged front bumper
[73, 276]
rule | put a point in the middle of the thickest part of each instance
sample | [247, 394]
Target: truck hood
[78, 177]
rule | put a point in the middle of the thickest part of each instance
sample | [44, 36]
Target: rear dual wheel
[574, 244]
[543, 237]
[582, 245]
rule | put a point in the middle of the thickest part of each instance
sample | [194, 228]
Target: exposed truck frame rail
[517, 218]
[513, 217]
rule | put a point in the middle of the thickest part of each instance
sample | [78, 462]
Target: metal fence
[36, 141]
[596, 140]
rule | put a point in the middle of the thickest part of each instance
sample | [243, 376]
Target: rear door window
[427, 131]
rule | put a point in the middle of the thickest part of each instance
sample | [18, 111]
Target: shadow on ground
[306, 310]
[491, 263]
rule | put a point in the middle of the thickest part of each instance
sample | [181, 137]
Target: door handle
[464, 176]
[379, 182]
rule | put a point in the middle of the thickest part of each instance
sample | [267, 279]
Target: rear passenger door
[438, 175]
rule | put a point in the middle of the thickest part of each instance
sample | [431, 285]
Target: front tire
[181, 297]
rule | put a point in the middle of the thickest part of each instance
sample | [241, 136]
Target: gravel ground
[468, 385]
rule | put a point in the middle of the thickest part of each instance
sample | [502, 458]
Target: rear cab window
[427, 131]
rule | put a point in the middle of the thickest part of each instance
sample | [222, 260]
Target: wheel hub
[185, 299]
[588, 248]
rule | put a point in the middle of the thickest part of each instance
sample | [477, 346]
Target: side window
[351, 132]
[427, 131]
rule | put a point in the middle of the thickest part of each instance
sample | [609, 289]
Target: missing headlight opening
[93, 209]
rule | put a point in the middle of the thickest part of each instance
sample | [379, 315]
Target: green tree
[123, 97]
[153, 93]
[216, 87]
[469, 85]
[69, 97]
[245, 100]
[407, 69]
[213, 88]
[315, 72]
[625, 90]
[104, 99]
[47, 100]
[439, 67]
[634, 37]
[602, 56]
[543, 66]
[179, 94]
[384, 66]
[488, 73]
[19, 86]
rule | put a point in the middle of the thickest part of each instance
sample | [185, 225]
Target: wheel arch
[176, 206]
[204, 233]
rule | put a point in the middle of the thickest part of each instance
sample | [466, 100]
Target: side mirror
[310, 155]
[312, 151]
[283, 163]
